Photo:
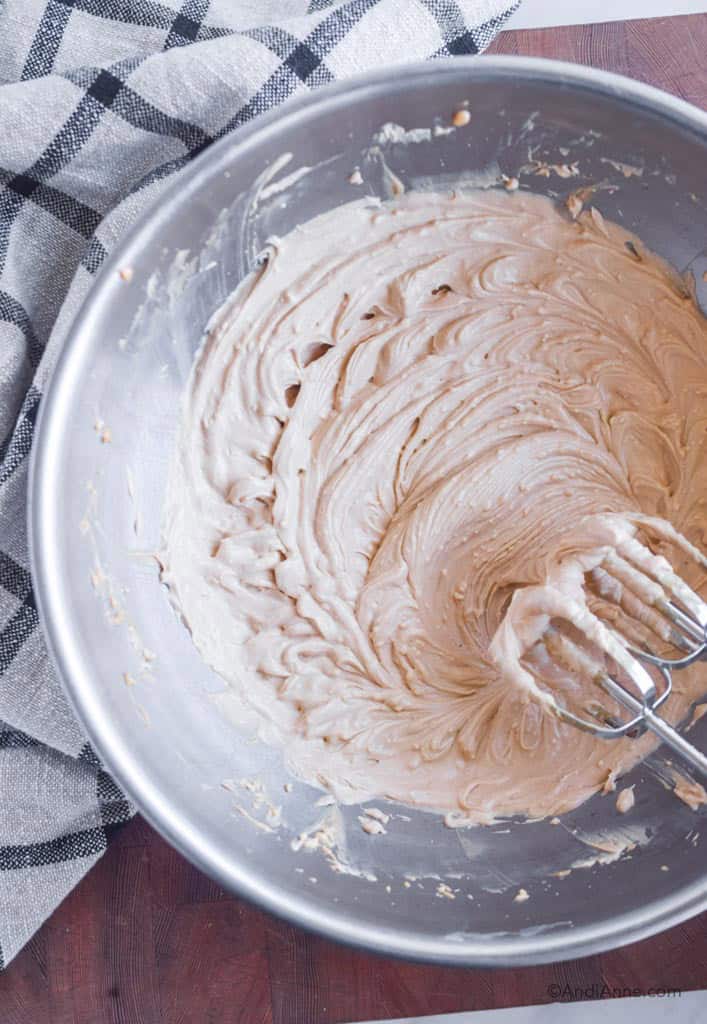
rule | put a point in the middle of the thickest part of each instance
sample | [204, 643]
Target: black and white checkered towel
[100, 102]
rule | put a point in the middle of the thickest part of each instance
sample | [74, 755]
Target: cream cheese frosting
[394, 424]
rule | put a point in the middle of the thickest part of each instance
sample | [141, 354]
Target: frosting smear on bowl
[391, 428]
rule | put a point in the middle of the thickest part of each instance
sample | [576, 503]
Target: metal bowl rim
[54, 604]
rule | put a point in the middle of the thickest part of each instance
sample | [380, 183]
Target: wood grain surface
[147, 939]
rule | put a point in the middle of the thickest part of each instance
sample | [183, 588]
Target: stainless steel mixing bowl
[126, 362]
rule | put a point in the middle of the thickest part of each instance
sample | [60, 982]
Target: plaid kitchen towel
[100, 102]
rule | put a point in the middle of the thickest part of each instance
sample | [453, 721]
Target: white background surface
[687, 1008]
[543, 13]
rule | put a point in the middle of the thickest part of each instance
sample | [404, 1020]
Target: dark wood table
[147, 939]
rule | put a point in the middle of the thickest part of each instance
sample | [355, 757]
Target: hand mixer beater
[645, 623]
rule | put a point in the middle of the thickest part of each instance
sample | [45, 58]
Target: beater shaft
[657, 725]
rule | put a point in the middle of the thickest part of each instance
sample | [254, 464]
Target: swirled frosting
[390, 428]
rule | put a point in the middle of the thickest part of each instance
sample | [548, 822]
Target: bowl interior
[201, 777]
